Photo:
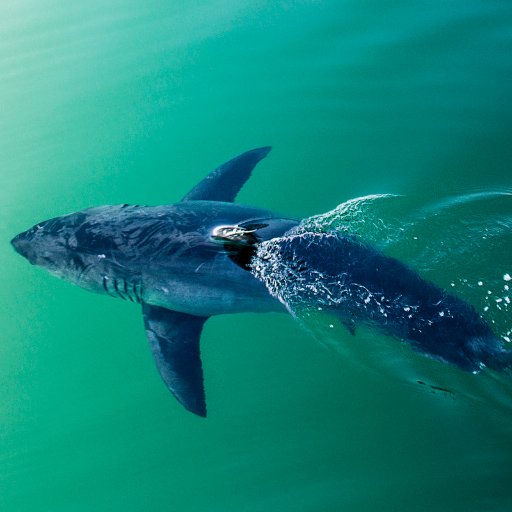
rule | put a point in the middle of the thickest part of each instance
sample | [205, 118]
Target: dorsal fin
[224, 183]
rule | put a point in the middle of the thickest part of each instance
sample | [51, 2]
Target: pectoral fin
[174, 341]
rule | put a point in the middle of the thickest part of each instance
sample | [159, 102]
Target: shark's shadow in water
[205, 256]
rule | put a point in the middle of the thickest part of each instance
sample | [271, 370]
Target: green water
[133, 102]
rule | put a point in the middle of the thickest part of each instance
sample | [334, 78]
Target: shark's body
[170, 260]
[161, 255]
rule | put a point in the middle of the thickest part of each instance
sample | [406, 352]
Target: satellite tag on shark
[206, 255]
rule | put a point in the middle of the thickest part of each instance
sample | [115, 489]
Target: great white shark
[187, 261]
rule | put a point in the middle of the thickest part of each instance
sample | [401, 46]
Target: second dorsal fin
[224, 183]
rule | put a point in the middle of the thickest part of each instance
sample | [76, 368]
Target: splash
[375, 218]
[462, 244]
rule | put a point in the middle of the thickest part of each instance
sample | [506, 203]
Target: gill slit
[125, 289]
[118, 291]
[105, 286]
[138, 296]
[128, 291]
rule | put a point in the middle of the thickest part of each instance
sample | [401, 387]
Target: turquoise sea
[108, 102]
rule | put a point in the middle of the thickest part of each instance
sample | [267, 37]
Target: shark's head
[49, 244]
[74, 248]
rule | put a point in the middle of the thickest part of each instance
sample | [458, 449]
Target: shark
[207, 255]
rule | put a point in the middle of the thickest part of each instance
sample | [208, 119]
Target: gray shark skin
[187, 261]
[164, 258]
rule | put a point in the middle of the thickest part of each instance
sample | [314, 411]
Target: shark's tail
[338, 272]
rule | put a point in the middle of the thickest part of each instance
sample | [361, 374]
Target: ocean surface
[405, 105]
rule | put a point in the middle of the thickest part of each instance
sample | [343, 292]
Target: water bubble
[507, 277]
[480, 283]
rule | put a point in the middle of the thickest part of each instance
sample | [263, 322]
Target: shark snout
[30, 245]
[22, 245]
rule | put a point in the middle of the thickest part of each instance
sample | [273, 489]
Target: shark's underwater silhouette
[190, 260]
